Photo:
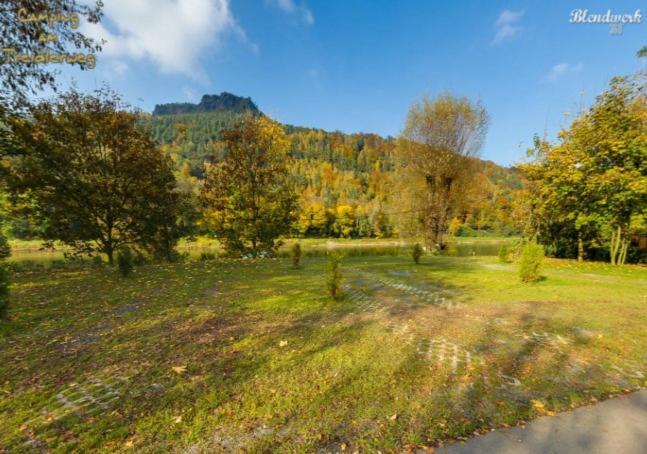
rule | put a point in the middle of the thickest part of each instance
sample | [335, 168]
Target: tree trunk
[623, 252]
[580, 247]
[108, 244]
[615, 245]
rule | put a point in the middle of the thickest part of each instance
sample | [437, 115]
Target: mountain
[209, 103]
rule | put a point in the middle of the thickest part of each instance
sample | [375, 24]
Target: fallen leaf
[538, 405]
[179, 369]
[178, 419]
[283, 344]
[393, 417]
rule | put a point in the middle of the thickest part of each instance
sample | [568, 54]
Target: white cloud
[562, 68]
[507, 25]
[119, 67]
[188, 93]
[172, 34]
[290, 7]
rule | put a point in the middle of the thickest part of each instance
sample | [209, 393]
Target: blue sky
[357, 66]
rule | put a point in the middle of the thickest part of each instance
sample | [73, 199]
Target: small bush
[25, 265]
[532, 259]
[505, 253]
[125, 261]
[4, 290]
[333, 275]
[206, 256]
[97, 260]
[5, 249]
[57, 264]
[139, 259]
[416, 253]
[296, 254]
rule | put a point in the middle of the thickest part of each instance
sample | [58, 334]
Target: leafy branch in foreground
[18, 79]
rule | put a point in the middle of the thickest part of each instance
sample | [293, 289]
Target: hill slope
[343, 178]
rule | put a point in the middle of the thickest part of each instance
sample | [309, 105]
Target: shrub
[416, 253]
[4, 290]
[125, 261]
[296, 254]
[139, 259]
[333, 275]
[532, 259]
[504, 253]
[58, 264]
[97, 260]
[5, 249]
[206, 256]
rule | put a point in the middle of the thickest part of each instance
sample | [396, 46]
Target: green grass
[253, 355]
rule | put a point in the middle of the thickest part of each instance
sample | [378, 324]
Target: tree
[435, 159]
[19, 34]
[344, 224]
[248, 197]
[97, 179]
[592, 185]
[563, 210]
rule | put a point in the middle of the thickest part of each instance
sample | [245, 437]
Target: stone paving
[439, 296]
[84, 399]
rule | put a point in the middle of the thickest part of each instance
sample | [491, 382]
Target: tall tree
[98, 180]
[593, 183]
[435, 157]
[248, 196]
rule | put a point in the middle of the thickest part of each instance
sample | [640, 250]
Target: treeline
[343, 180]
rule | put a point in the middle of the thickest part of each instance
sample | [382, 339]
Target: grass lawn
[229, 355]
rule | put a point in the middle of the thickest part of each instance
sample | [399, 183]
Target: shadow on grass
[226, 345]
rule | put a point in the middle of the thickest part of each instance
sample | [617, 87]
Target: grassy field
[252, 355]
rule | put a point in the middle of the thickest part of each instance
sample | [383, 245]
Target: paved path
[617, 425]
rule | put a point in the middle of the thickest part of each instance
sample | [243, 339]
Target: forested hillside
[343, 179]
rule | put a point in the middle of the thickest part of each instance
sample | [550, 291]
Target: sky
[357, 66]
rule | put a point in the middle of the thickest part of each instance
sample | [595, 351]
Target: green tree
[344, 224]
[97, 179]
[435, 159]
[592, 186]
[248, 197]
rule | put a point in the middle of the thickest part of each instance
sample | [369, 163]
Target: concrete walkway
[617, 425]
